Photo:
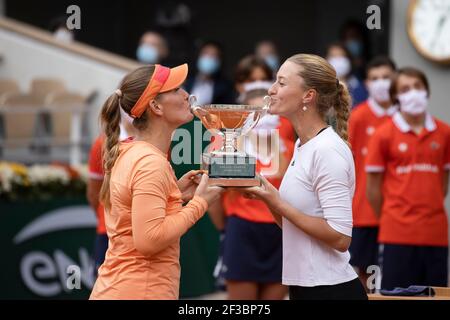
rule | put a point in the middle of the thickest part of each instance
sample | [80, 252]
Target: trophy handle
[193, 104]
[210, 121]
[195, 108]
[267, 101]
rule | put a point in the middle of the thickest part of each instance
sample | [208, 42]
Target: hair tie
[119, 93]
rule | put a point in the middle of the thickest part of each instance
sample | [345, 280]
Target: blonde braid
[342, 108]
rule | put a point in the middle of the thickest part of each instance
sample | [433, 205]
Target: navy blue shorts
[351, 290]
[364, 247]
[218, 269]
[100, 247]
[252, 251]
[403, 266]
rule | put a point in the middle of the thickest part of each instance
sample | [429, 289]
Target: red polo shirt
[364, 119]
[96, 173]
[413, 211]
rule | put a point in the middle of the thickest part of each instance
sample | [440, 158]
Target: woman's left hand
[188, 183]
[266, 192]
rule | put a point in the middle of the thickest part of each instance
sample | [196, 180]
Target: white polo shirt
[319, 182]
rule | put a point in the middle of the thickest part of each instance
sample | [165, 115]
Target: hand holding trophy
[228, 166]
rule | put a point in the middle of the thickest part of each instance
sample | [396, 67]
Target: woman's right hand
[265, 192]
[207, 192]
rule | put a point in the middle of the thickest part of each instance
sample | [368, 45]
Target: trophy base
[234, 182]
[230, 170]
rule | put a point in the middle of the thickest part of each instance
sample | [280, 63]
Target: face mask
[272, 62]
[268, 122]
[379, 89]
[341, 65]
[208, 65]
[63, 35]
[147, 54]
[413, 102]
[355, 47]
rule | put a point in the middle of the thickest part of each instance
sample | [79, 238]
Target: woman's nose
[271, 90]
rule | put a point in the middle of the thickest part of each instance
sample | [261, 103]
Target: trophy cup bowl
[229, 167]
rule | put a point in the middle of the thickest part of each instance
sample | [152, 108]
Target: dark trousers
[406, 265]
[100, 247]
[352, 290]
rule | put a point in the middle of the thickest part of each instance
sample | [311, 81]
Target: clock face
[429, 28]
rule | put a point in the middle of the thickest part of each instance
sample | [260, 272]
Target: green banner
[47, 245]
[47, 251]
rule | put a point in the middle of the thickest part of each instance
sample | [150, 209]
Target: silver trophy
[228, 166]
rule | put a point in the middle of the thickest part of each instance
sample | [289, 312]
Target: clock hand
[439, 29]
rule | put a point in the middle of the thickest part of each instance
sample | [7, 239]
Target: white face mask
[413, 102]
[379, 89]
[342, 66]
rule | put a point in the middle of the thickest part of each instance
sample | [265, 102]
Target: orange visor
[163, 79]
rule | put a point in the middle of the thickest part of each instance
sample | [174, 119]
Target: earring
[305, 108]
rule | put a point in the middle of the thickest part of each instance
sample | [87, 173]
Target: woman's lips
[272, 105]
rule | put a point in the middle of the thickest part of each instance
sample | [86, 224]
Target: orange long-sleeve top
[144, 224]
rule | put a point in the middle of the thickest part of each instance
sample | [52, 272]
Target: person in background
[250, 230]
[267, 50]
[364, 120]
[209, 84]
[250, 69]
[152, 48]
[175, 21]
[339, 57]
[314, 204]
[94, 185]
[407, 167]
[354, 37]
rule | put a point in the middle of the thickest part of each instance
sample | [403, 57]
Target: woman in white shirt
[314, 204]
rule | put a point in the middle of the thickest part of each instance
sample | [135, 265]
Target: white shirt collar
[378, 110]
[403, 126]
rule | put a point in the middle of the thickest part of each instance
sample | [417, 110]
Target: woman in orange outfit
[143, 200]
